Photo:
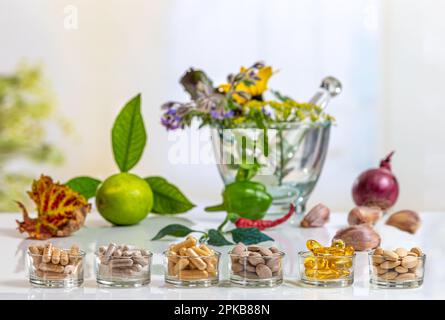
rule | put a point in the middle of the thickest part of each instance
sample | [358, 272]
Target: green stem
[223, 224]
[218, 207]
[281, 168]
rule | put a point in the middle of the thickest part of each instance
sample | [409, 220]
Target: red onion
[376, 187]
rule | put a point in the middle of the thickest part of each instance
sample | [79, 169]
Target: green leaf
[216, 238]
[174, 230]
[249, 236]
[86, 186]
[128, 135]
[167, 197]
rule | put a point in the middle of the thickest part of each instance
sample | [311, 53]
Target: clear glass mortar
[188, 277]
[342, 277]
[247, 277]
[51, 279]
[290, 164]
[123, 277]
[377, 280]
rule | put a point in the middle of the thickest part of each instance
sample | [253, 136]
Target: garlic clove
[362, 237]
[316, 217]
[405, 220]
[362, 214]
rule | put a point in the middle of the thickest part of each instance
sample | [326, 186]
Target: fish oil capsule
[312, 244]
[349, 250]
[326, 274]
[322, 263]
[309, 262]
[310, 273]
[338, 243]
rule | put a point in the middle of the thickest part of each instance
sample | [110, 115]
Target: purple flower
[170, 120]
[220, 115]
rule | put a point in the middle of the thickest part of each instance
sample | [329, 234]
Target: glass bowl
[326, 270]
[51, 275]
[188, 271]
[290, 167]
[396, 274]
[265, 271]
[124, 270]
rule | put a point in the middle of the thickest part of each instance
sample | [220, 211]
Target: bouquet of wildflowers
[241, 102]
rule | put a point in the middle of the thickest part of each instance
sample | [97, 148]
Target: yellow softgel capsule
[338, 243]
[327, 274]
[312, 244]
[310, 273]
[329, 251]
[341, 263]
[344, 273]
[349, 250]
[322, 263]
[309, 262]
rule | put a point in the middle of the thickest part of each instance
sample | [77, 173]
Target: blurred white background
[389, 55]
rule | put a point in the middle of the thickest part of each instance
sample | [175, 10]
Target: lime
[124, 199]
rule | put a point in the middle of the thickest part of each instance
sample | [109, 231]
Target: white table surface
[14, 283]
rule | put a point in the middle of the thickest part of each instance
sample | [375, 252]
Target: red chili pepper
[264, 224]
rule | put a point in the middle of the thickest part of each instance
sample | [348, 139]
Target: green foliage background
[26, 106]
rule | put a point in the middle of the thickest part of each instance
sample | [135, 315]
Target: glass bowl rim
[150, 254]
[280, 254]
[167, 253]
[282, 125]
[423, 256]
[81, 254]
[303, 253]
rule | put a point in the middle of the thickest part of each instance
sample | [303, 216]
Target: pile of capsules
[328, 263]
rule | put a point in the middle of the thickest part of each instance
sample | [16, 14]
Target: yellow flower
[255, 89]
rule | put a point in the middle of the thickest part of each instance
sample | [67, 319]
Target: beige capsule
[181, 265]
[412, 254]
[402, 252]
[409, 262]
[64, 259]
[196, 260]
[47, 253]
[74, 253]
[55, 257]
[390, 275]
[187, 243]
[51, 267]
[389, 264]
[193, 274]
[390, 255]
[406, 276]
[143, 261]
